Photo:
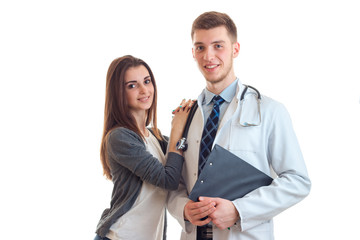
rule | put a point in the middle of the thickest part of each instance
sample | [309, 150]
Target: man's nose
[209, 54]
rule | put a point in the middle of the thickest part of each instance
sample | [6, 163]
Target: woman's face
[139, 89]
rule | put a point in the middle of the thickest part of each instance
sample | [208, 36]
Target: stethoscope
[242, 105]
[182, 144]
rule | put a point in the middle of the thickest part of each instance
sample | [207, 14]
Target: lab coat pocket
[243, 153]
[244, 138]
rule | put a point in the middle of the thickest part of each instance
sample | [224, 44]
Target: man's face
[214, 51]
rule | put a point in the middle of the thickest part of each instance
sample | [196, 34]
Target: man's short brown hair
[209, 20]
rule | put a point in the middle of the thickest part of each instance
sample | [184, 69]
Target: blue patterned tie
[209, 132]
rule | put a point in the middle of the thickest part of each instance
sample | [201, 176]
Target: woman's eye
[131, 86]
[147, 81]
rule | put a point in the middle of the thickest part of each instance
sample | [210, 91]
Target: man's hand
[225, 215]
[196, 211]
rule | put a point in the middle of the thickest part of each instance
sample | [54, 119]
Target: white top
[145, 220]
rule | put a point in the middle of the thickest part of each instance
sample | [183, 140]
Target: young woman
[132, 155]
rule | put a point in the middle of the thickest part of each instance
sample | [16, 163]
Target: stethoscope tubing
[195, 106]
[245, 90]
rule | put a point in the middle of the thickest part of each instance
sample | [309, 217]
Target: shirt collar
[227, 94]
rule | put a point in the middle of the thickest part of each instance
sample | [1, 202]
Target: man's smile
[211, 66]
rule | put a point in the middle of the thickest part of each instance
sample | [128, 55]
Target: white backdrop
[54, 57]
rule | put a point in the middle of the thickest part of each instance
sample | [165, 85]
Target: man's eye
[199, 48]
[218, 46]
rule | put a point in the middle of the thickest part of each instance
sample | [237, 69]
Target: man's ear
[236, 49]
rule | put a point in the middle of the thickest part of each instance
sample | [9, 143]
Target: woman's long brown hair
[117, 112]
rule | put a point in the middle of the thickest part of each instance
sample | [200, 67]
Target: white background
[54, 57]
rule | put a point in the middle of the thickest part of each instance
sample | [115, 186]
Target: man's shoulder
[269, 102]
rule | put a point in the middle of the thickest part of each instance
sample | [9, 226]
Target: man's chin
[213, 80]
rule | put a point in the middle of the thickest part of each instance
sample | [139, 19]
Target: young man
[269, 144]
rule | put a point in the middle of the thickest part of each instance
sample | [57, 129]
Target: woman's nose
[142, 88]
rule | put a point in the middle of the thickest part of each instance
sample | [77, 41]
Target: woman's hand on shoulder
[180, 115]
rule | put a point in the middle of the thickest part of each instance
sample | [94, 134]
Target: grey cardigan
[130, 165]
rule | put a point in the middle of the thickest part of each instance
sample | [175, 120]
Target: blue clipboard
[227, 176]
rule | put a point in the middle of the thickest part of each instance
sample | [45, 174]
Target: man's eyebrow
[214, 42]
[218, 41]
[198, 43]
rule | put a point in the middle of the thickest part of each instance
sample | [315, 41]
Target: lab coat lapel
[232, 107]
[229, 113]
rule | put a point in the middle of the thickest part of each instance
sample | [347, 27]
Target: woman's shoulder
[123, 134]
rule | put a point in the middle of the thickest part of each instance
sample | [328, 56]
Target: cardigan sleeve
[128, 149]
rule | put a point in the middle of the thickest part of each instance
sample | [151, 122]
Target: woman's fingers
[184, 105]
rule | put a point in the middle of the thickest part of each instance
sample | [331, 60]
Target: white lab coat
[271, 147]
